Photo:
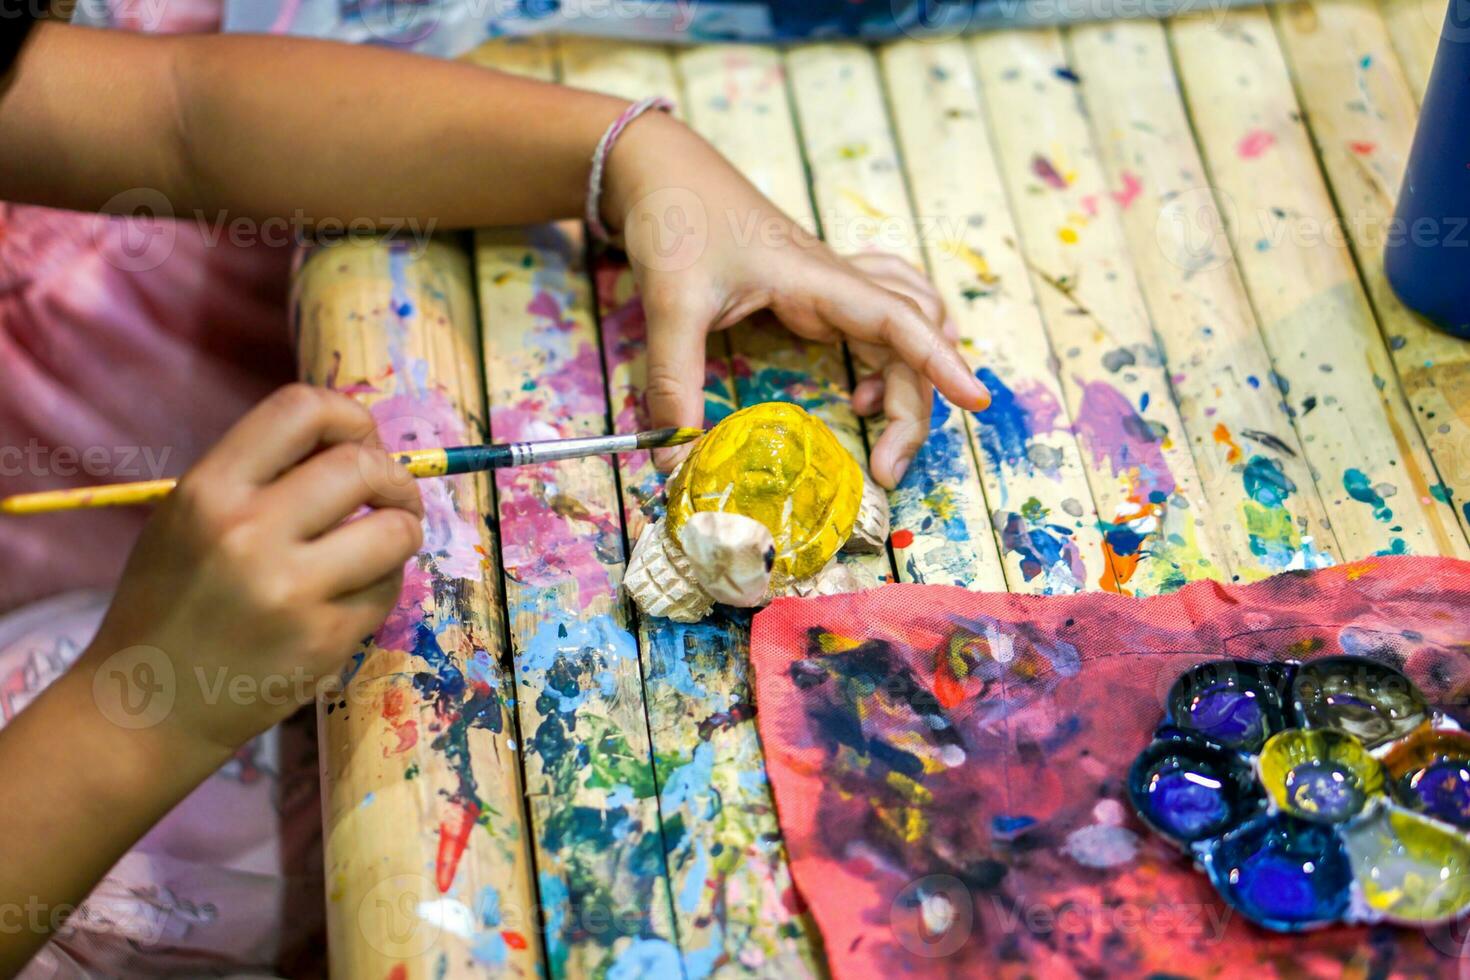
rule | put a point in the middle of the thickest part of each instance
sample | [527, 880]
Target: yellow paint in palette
[1324, 776]
[1411, 870]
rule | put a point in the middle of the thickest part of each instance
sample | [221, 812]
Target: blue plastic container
[1427, 253]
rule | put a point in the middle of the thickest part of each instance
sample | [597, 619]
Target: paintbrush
[421, 463]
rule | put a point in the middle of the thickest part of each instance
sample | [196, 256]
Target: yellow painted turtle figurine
[760, 508]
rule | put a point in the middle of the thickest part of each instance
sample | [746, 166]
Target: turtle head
[731, 556]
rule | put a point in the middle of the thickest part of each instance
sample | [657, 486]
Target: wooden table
[1161, 242]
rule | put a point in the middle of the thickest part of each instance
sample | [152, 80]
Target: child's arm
[243, 592]
[263, 127]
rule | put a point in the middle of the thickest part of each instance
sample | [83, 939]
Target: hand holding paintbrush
[420, 463]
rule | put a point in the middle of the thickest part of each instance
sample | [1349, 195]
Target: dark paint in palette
[1263, 773]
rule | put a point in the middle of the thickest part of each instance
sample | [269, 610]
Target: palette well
[1314, 793]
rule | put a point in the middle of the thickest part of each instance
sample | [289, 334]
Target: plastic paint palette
[1313, 793]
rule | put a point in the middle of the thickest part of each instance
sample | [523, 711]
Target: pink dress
[114, 366]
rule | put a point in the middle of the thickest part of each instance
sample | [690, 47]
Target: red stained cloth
[949, 768]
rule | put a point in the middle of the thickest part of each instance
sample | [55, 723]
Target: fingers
[893, 273]
[283, 430]
[674, 389]
[867, 395]
[362, 551]
[907, 401]
[866, 311]
[331, 486]
[364, 610]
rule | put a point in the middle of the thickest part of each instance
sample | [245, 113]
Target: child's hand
[248, 581]
[709, 250]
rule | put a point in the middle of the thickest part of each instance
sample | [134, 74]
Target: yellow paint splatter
[1068, 235]
[832, 643]
[975, 261]
[862, 204]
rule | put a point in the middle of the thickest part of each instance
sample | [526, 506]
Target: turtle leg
[870, 531]
[731, 556]
[660, 580]
[834, 578]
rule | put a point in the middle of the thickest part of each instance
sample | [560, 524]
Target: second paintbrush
[471, 459]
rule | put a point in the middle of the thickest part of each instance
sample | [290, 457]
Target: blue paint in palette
[1284, 873]
[1235, 703]
[1188, 788]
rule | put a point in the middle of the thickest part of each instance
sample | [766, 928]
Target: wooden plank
[939, 513]
[588, 761]
[428, 868]
[1030, 465]
[1361, 117]
[1414, 27]
[735, 97]
[1331, 364]
[1252, 466]
[1156, 532]
[732, 892]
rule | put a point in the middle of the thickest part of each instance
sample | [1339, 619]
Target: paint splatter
[1274, 536]
[1255, 143]
[1148, 522]
[1359, 487]
[1128, 193]
[1009, 427]
[1223, 437]
[928, 500]
[1044, 170]
[1046, 550]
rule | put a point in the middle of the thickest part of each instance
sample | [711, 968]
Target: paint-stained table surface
[1160, 241]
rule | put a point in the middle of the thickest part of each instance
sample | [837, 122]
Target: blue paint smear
[555, 901]
[1005, 427]
[646, 958]
[938, 465]
[1045, 550]
[1360, 489]
[1266, 483]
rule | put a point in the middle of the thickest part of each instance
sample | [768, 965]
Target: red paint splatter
[454, 834]
[399, 972]
[902, 539]
[406, 729]
[513, 939]
[1254, 143]
[1089, 205]
[1132, 187]
[948, 691]
[1042, 168]
[1362, 147]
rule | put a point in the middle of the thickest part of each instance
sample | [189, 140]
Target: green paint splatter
[1034, 511]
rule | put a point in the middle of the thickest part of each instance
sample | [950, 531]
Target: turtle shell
[778, 465]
